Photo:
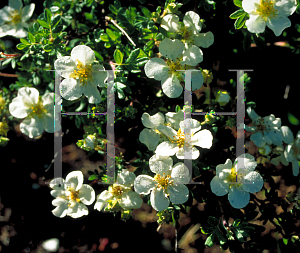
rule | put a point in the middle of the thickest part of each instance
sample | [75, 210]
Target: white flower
[37, 111]
[168, 182]
[271, 13]
[178, 58]
[264, 130]
[177, 140]
[120, 193]
[190, 31]
[71, 195]
[151, 136]
[292, 150]
[81, 76]
[237, 180]
[90, 142]
[13, 19]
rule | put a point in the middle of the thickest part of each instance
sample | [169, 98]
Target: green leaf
[292, 119]
[56, 41]
[54, 8]
[113, 36]
[25, 42]
[118, 56]
[141, 61]
[239, 23]
[58, 29]
[107, 45]
[133, 55]
[113, 9]
[285, 241]
[48, 16]
[55, 20]
[48, 48]
[43, 23]
[31, 37]
[236, 222]
[93, 177]
[20, 46]
[98, 56]
[210, 240]
[104, 37]
[146, 12]
[36, 80]
[237, 14]
[238, 3]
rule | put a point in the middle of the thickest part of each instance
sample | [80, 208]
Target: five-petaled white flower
[292, 150]
[237, 180]
[82, 77]
[190, 30]
[120, 194]
[90, 142]
[168, 182]
[71, 195]
[151, 136]
[264, 130]
[271, 13]
[180, 141]
[37, 111]
[172, 70]
[13, 19]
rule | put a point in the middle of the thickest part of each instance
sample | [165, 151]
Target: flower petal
[252, 114]
[193, 124]
[174, 119]
[180, 173]
[278, 24]
[250, 5]
[126, 178]
[29, 95]
[83, 54]
[77, 210]
[167, 148]
[71, 89]
[156, 68]
[99, 75]
[17, 108]
[152, 121]
[158, 199]
[16, 4]
[171, 86]
[178, 193]
[218, 186]
[150, 138]
[286, 7]
[295, 166]
[90, 90]
[5, 15]
[287, 135]
[27, 12]
[192, 20]
[203, 139]
[204, 40]
[61, 207]
[65, 65]
[143, 184]
[171, 49]
[170, 23]
[57, 183]
[32, 127]
[238, 198]
[74, 180]
[130, 200]
[192, 56]
[86, 194]
[160, 164]
[101, 200]
[193, 153]
[253, 182]
[20, 31]
[221, 167]
[258, 139]
[256, 24]
[168, 131]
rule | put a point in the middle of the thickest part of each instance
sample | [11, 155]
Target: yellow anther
[74, 196]
[83, 72]
[163, 182]
[266, 9]
[37, 109]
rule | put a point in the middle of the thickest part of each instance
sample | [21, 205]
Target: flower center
[182, 139]
[74, 196]
[296, 150]
[186, 33]
[234, 179]
[266, 9]
[174, 66]
[261, 125]
[83, 72]
[163, 181]
[116, 190]
[15, 17]
[37, 110]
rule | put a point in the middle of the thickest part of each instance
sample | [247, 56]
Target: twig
[8, 75]
[121, 29]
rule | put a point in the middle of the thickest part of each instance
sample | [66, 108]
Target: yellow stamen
[15, 17]
[37, 109]
[116, 190]
[235, 179]
[181, 139]
[83, 72]
[74, 196]
[163, 181]
[266, 9]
